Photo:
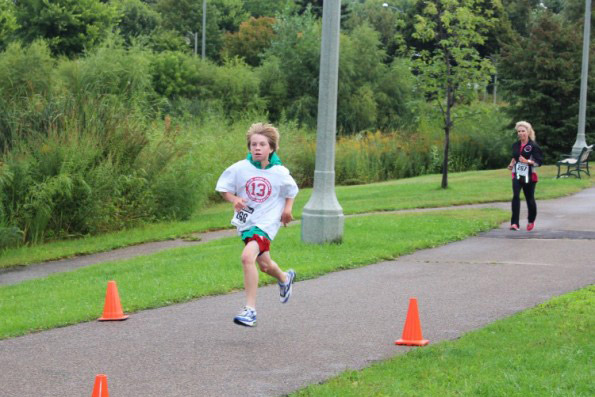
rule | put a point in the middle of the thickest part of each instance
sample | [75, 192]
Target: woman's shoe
[514, 227]
[530, 226]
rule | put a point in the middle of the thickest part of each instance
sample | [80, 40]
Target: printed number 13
[261, 187]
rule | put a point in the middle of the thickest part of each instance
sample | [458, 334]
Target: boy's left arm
[286, 216]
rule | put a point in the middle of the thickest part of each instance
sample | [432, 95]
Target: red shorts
[264, 244]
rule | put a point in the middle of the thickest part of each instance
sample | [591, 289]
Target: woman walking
[526, 156]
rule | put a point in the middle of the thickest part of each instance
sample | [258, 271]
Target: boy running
[262, 193]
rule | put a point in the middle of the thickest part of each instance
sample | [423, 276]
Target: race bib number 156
[241, 217]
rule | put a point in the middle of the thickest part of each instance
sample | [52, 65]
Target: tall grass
[479, 141]
[87, 149]
[80, 155]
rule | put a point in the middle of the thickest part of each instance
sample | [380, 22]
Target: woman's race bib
[522, 171]
[241, 217]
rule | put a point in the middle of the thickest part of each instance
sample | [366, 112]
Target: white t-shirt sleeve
[290, 188]
[227, 180]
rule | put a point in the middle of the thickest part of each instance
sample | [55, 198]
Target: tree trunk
[444, 184]
[447, 126]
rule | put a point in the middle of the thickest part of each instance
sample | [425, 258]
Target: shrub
[177, 74]
[479, 141]
[112, 70]
[25, 90]
[236, 89]
[253, 37]
[196, 87]
[92, 163]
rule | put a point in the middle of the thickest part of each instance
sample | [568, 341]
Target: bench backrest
[585, 154]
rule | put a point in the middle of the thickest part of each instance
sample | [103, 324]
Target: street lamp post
[580, 136]
[204, 28]
[322, 217]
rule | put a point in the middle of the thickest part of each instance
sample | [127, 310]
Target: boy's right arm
[238, 202]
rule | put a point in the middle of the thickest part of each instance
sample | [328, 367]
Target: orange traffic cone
[112, 310]
[412, 331]
[100, 387]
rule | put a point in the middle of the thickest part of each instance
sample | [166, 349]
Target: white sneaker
[247, 317]
[285, 289]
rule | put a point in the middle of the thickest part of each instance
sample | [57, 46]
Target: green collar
[273, 160]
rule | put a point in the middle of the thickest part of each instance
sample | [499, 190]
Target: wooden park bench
[576, 165]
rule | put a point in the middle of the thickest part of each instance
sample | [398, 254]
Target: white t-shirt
[264, 191]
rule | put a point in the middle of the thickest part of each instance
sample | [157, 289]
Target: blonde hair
[267, 130]
[528, 127]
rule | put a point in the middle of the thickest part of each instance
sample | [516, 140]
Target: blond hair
[528, 127]
[266, 130]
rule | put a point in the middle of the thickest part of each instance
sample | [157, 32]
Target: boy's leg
[249, 255]
[285, 279]
[270, 267]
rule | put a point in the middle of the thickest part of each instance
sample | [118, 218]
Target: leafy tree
[231, 14]
[182, 16]
[391, 24]
[235, 89]
[167, 40]
[251, 40]
[261, 8]
[519, 13]
[541, 76]
[371, 94]
[137, 19]
[449, 72]
[574, 11]
[555, 6]
[185, 18]
[290, 68]
[8, 22]
[231, 88]
[178, 74]
[69, 26]
[360, 67]
[312, 7]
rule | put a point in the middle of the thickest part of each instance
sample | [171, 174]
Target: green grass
[181, 274]
[419, 192]
[544, 351]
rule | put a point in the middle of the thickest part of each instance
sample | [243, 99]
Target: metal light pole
[204, 28]
[495, 86]
[580, 136]
[322, 217]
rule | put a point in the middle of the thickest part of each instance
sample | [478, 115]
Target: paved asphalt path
[344, 320]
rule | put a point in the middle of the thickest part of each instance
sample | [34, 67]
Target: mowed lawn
[544, 351]
[547, 350]
[419, 192]
[186, 273]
